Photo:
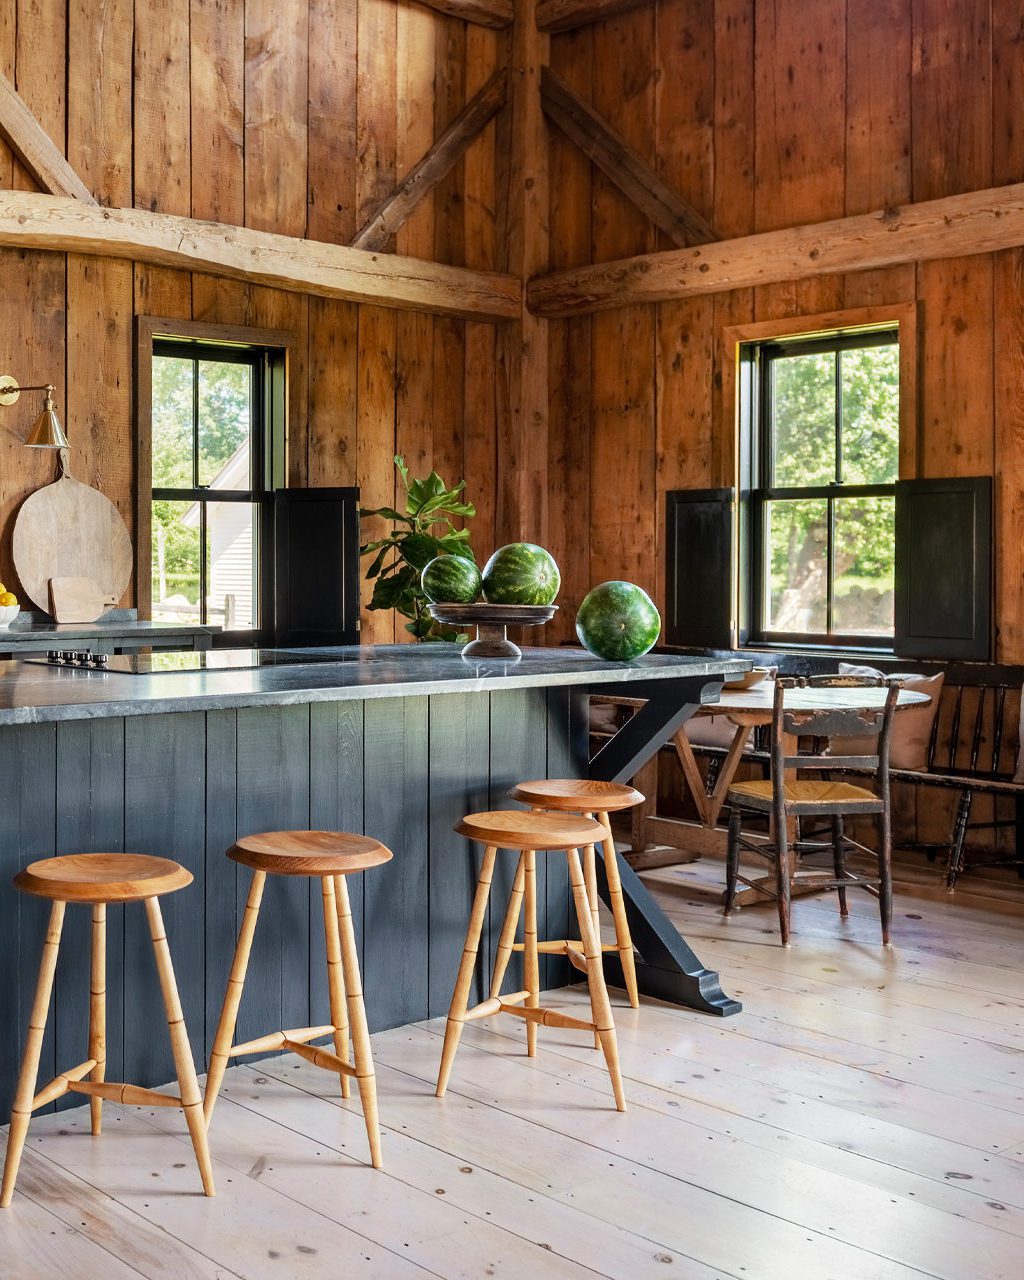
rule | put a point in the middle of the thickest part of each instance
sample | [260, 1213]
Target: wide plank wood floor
[862, 1119]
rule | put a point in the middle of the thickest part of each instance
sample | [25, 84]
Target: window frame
[269, 352]
[764, 491]
[734, 461]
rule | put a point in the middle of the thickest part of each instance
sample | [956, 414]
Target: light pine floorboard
[862, 1119]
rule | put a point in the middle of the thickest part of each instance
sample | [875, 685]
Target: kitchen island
[399, 741]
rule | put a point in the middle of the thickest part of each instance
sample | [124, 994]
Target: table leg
[669, 969]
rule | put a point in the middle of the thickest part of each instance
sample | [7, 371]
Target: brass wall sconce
[46, 433]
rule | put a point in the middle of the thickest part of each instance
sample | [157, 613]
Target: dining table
[746, 709]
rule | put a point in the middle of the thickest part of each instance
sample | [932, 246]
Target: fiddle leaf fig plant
[424, 530]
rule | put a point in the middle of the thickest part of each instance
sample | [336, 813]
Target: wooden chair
[591, 798]
[99, 878]
[331, 856]
[785, 798]
[530, 834]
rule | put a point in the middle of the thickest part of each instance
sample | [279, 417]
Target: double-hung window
[210, 460]
[824, 418]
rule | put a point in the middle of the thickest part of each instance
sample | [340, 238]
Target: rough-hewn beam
[395, 208]
[495, 14]
[953, 227]
[35, 148]
[614, 156]
[30, 221]
[563, 15]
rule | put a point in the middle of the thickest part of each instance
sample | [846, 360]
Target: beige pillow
[912, 727]
[711, 731]
[1019, 772]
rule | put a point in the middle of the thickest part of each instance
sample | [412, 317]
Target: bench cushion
[911, 728]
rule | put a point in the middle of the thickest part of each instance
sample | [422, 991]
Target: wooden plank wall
[293, 118]
[764, 115]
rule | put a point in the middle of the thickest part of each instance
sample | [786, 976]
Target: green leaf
[418, 549]
[389, 589]
[386, 513]
[402, 469]
[374, 568]
[423, 491]
[457, 544]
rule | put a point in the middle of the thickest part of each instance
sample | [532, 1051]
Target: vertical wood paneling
[28, 794]
[622, 534]
[395, 924]
[459, 739]
[952, 152]
[331, 216]
[335, 804]
[185, 785]
[1008, 323]
[164, 815]
[272, 794]
[222, 889]
[90, 788]
[569, 350]
[217, 85]
[518, 753]
[162, 140]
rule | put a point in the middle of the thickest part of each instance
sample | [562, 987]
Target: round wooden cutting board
[69, 530]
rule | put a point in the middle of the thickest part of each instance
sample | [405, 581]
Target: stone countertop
[32, 693]
[30, 628]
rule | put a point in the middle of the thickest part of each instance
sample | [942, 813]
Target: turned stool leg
[623, 938]
[600, 1005]
[365, 1077]
[25, 1091]
[184, 1066]
[233, 995]
[590, 880]
[531, 965]
[460, 997]
[98, 1008]
[335, 978]
[508, 929]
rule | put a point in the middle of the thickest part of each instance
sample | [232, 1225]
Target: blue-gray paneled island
[399, 741]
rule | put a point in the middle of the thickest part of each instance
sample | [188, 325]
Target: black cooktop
[154, 664]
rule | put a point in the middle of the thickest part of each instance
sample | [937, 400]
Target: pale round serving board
[69, 530]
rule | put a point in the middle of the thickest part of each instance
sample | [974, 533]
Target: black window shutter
[316, 566]
[944, 568]
[699, 557]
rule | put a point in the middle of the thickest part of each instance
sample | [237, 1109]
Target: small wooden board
[69, 530]
[77, 600]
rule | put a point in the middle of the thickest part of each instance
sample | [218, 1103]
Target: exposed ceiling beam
[622, 163]
[421, 179]
[35, 148]
[30, 221]
[953, 227]
[495, 14]
[563, 15]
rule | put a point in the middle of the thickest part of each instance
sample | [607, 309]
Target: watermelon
[450, 580]
[618, 621]
[521, 573]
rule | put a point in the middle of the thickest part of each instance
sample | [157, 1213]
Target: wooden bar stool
[592, 798]
[530, 834]
[99, 878]
[330, 855]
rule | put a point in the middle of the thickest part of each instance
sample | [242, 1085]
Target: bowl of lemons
[9, 607]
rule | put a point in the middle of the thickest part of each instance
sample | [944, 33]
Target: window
[213, 453]
[824, 444]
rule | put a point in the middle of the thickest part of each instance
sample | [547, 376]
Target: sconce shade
[47, 432]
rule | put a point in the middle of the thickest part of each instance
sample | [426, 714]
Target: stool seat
[102, 877]
[577, 795]
[514, 829]
[309, 853]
